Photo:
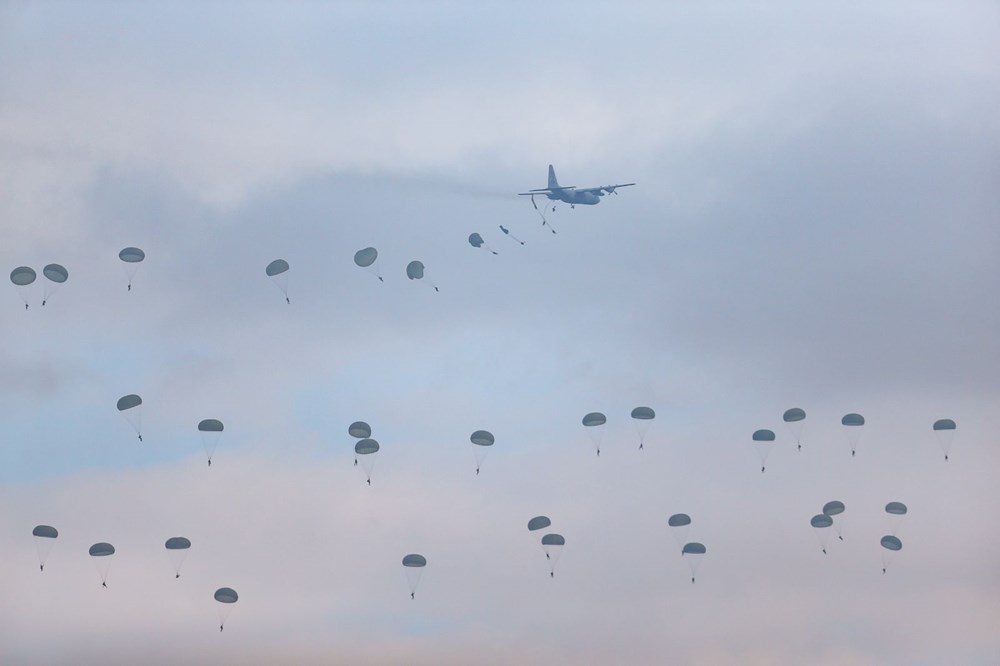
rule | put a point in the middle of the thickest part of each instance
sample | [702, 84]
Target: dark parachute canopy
[177, 548]
[128, 402]
[131, 257]
[102, 550]
[679, 520]
[57, 275]
[415, 271]
[22, 277]
[793, 415]
[945, 431]
[552, 545]
[763, 436]
[414, 560]
[210, 425]
[365, 258]
[890, 542]
[693, 552]
[821, 520]
[852, 420]
[763, 440]
[642, 416]
[44, 537]
[129, 407]
[359, 430]
[177, 543]
[482, 438]
[553, 540]
[538, 523]
[226, 596]
[853, 423]
[45, 531]
[693, 549]
[475, 240]
[593, 422]
[211, 432]
[364, 451]
[414, 564]
[366, 446]
[895, 508]
[833, 508]
[277, 270]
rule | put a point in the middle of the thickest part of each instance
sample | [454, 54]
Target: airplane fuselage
[573, 197]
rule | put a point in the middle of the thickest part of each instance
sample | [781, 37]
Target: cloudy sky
[815, 225]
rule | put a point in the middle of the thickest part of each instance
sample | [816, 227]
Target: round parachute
[44, 537]
[129, 407]
[853, 423]
[414, 560]
[833, 508]
[277, 270]
[538, 523]
[553, 540]
[177, 548]
[45, 531]
[763, 439]
[793, 415]
[415, 270]
[366, 446]
[482, 438]
[211, 432]
[276, 267]
[366, 257]
[679, 520]
[594, 419]
[552, 545]
[56, 273]
[853, 420]
[821, 520]
[475, 240]
[693, 553]
[210, 425]
[359, 430]
[945, 431]
[693, 549]
[102, 552]
[944, 424]
[131, 255]
[414, 565]
[680, 525]
[226, 595]
[895, 508]
[177, 543]
[22, 276]
[643, 413]
[890, 542]
[365, 451]
[763, 436]
[641, 417]
[128, 402]
[594, 422]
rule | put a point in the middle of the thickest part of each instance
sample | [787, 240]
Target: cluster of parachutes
[210, 430]
[692, 551]
[365, 449]
[552, 543]
[853, 424]
[594, 423]
[23, 277]
[823, 521]
[829, 518]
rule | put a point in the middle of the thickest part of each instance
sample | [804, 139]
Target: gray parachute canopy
[895, 508]
[414, 270]
[833, 508]
[792, 415]
[538, 523]
[853, 420]
[45, 531]
[643, 413]
[890, 542]
[22, 276]
[821, 520]
[693, 549]
[366, 257]
[226, 595]
[763, 436]
[276, 267]
[359, 429]
[128, 402]
[210, 425]
[131, 255]
[553, 540]
[366, 446]
[177, 543]
[414, 560]
[944, 424]
[482, 438]
[56, 273]
[594, 419]
[102, 550]
[475, 240]
[679, 520]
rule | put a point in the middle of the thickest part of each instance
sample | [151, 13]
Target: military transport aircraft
[572, 195]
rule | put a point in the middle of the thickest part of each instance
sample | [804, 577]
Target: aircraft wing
[605, 189]
[546, 190]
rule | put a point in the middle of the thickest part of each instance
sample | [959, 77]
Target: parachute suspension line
[541, 213]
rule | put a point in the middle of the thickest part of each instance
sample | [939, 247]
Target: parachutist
[840, 537]
[598, 453]
[761, 470]
[552, 574]
[547, 556]
[369, 482]
[477, 471]
[43, 304]
[355, 462]
[177, 576]
[287, 300]
[130, 286]
[140, 438]
[640, 446]
[945, 458]
[800, 447]
[824, 551]
[852, 453]
[883, 569]
[380, 279]
[220, 627]
[105, 585]
[692, 579]
[209, 462]
[436, 289]
[413, 595]
[41, 567]
[25, 306]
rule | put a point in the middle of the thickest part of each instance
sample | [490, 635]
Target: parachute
[22, 277]
[641, 416]
[45, 537]
[102, 552]
[56, 275]
[365, 451]
[693, 553]
[177, 548]
[795, 418]
[483, 439]
[945, 431]
[594, 423]
[553, 544]
[131, 258]
[475, 240]
[413, 565]
[227, 597]
[507, 233]
[130, 407]
[538, 523]
[680, 525]
[890, 545]
[832, 509]
[359, 430]
[822, 523]
[895, 511]
[211, 433]
[763, 439]
[415, 271]
[853, 422]
[365, 258]
[277, 270]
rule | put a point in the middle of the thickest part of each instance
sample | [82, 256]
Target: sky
[814, 224]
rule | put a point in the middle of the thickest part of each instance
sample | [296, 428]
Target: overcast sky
[816, 224]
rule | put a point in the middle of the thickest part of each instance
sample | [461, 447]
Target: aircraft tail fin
[553, 183]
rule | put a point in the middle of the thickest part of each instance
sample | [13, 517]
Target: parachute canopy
[45, 531]
[276, 267]
[833, 508]
[853, 420]
[210, 425]
[693, 549]
[890, 542]
[22, 276]
[482, 438]
[366, 446]
[594, 419]
[414, 560]
[793, 415]
[538, 523]
[895, 508]
[226, 595]
[679, 520]
[643, 413]
[763, 436]
[553, 540]
[821, 520]
[131, 255]
[414, 270]
[944, 424]
[56, 273]
[128, 402]
[359, 429]
[102, 550]
[475, 240]
[366, 257]
[177, 543]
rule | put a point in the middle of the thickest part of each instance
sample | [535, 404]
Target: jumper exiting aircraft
[570, 194]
